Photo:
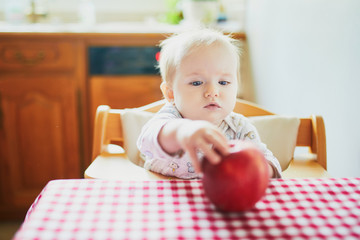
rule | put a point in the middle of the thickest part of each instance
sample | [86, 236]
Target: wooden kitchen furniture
[47, 104]
[40, 93]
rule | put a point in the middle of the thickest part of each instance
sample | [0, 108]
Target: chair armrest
[305, 168]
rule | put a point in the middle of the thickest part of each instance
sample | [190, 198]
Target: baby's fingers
[219, 142]
[209, 152]
[211, 155]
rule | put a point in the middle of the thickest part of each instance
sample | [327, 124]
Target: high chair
[111, 161]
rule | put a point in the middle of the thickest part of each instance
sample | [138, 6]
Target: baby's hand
[202, 136]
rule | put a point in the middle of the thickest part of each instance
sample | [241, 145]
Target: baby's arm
[192, 136]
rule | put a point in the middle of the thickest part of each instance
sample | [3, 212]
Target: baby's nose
[212, 91]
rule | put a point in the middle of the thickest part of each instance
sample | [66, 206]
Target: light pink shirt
[234, 126]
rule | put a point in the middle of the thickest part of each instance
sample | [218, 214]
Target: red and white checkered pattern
[98, 209]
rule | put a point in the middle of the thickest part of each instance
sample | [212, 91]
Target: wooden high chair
[108, 133]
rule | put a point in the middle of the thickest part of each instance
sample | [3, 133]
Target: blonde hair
[178, 46]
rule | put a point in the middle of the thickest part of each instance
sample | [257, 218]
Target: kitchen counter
[108, 27]
[105, 34]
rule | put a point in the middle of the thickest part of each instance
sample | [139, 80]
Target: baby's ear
[167, 92]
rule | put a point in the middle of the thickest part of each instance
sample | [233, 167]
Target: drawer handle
[40, 56]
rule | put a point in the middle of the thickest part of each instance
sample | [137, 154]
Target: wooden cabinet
[39, 120]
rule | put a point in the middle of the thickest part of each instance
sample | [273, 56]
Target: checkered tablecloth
[98, 209]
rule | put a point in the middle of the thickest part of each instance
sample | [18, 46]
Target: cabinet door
[39, 136]
[123, 91]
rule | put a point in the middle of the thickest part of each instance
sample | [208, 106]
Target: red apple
[239, 180]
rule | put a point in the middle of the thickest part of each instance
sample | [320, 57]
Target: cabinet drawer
[37, 55]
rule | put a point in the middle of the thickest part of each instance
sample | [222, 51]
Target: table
[326, 208]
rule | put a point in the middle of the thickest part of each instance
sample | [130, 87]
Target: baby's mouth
[212, 106]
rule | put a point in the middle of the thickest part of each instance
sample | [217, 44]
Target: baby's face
[205, 84]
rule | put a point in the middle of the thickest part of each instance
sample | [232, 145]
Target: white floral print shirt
[234, 126]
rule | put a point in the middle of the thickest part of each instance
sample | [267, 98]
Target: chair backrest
[108, 128]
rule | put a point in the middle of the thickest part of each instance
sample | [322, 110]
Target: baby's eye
[224, 82]
[196, 83]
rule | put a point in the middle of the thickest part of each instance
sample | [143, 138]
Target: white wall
[305, 59]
